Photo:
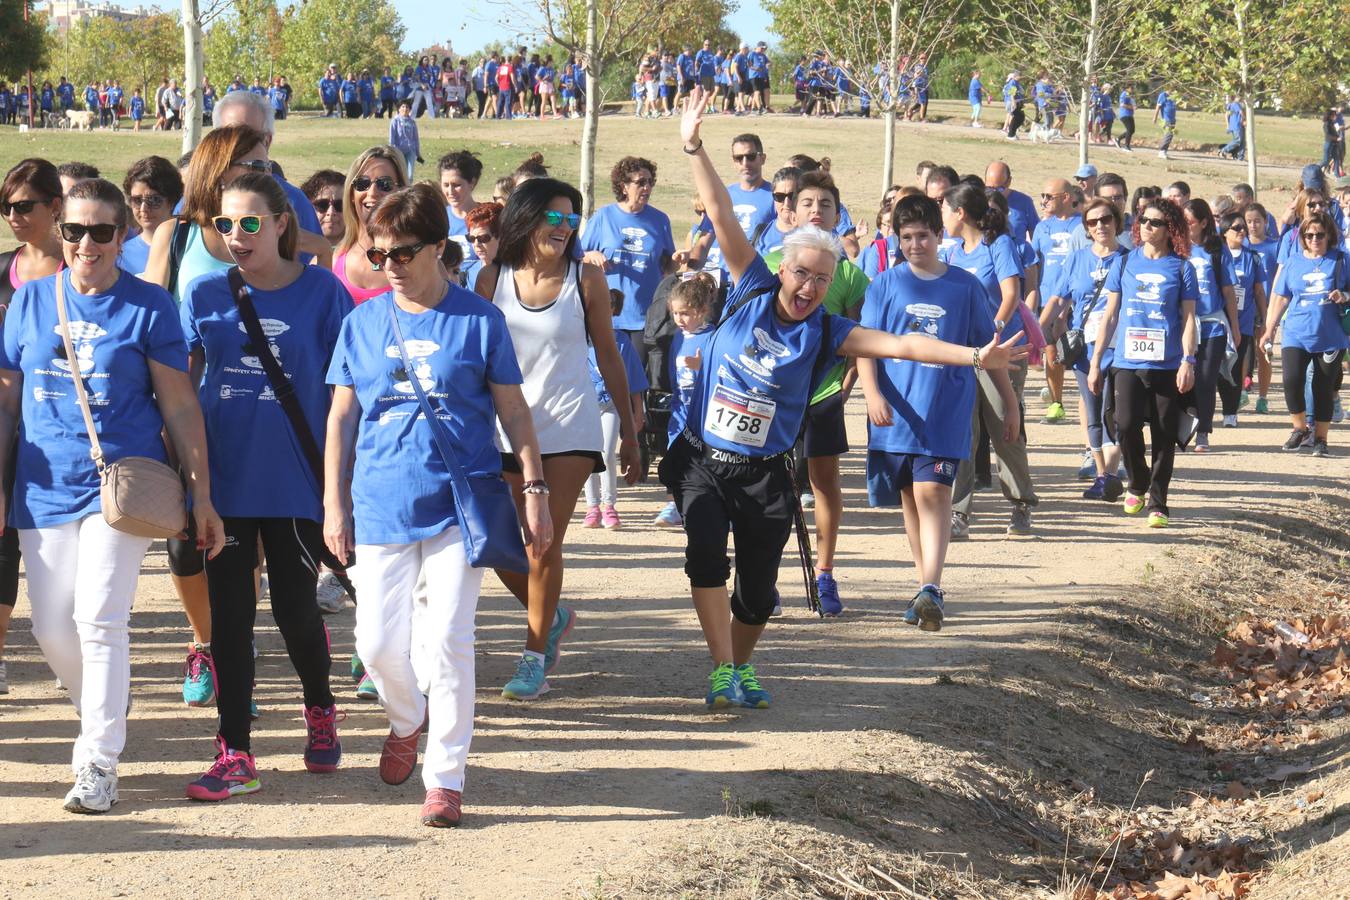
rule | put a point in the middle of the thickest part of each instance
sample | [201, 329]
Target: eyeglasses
[22, 207]
[1100, 220]
[1146, 222]
[363, 183]
[744, 157]
[254, 165]
[1046, 198]
[1317, 204]
[481, 238]
[149, 201]
[1237, 228]
[73, 232]
[781, 196]
[401, 255]
[807, 277]
[323, 206]
[1117, 199]
[1314, 235]
[642, 182]
[555, 218]
[251, 224]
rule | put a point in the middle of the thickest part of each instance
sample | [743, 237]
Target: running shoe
[592, 519]
[926, 609]
[984, 483]
[960, 527]
[1262, 405]
[1319, 448]
[1297, 438]
[1157, 519]
[253, 712]
[669, 517]
[95, 790]
[1201, 442]
[1020, 523]
[808, 500]
[4, 678]
[1054, 413]
[1337, 411]
[441, 808]
[1088, 470]
[777, 603]
[366, 689]
[1230, 422]
[199, 677]
[358, 667]
[528, 682]
[1134, 504]
[1114, 488]
[563, 621]
[1098, 489]
[1046, 395]
[722, 687]
[830, 604]
[752, 693]
[398, 757]
[330, 594]
[1243, 398]
[233, 772]
[323, 750]
[610, 518]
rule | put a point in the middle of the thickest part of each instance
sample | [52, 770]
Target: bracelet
[695, 150]
[534, 487]
[1188, 359]
[975, 359]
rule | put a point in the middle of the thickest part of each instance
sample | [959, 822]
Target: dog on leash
[1041, 131]
[82, 119]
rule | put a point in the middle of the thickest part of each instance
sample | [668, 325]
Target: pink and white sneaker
[233, 772]
[610, 517]
[592, 519]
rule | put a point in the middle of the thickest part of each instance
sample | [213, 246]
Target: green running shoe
[722, 686]
[753, 695]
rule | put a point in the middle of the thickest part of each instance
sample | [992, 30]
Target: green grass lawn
[305, 144]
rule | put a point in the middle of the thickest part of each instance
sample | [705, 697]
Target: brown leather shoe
[399, 757]
[441, 808]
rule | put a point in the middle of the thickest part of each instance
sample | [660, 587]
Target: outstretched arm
[737, 254]
[868, 342]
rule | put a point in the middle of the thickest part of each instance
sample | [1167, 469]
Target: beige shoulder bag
[140, 495]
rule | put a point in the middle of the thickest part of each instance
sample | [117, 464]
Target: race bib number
[1145, 344]
[1241, 293]
[1093, 325]
[739, 418]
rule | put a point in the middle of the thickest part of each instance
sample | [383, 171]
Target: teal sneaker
[1262, 405]
[199, 677]
[529, 682]
[722, 687]
[366, 689]
[253, 712]
[562, 627]
[753, 695]
[358, 668]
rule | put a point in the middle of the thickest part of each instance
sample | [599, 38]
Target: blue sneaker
[1113, 489]
[199, 677]
[253, 712]
[1098, 489]
[830, 604]
[669, 517]
[1088, 470]
[562, 627]
[358, 668]
[753, 695]
[529, 681]
[723, 690]
[365, 689]
[925, 610]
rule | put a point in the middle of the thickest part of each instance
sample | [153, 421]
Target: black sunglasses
[73, 232]
[481, 238]
[22, 207]
[781, 197]
[149, 201]
[1238, 229]
[255, 165]
[401, 255]
[363, 183]
[744, 157]
[323, 206]
[1152, 223]
[1100, 220]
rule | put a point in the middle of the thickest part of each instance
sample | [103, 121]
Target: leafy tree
[248, 40]
[358, 36]
[26, 45]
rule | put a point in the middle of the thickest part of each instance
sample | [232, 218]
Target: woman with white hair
[732, 465]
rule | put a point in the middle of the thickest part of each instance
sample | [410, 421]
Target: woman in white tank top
[552, 302]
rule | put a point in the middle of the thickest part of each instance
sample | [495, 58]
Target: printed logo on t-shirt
[271, 328]
[1315, 283]
[745, 214]
[82, 336]
[1060, 243]
[761, 357]
[1150, 286]
[925, 318]
[418, 354]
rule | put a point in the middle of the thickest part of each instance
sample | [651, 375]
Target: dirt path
[576, 793]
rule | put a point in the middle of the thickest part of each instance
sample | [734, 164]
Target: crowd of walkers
[372, 390]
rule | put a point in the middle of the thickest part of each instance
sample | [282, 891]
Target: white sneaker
[4, 678]
[95, 791]
[263, 587]
[330, 594]
[1230, 422]
[808, 500]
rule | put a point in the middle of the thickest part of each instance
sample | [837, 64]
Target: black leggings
[1126, 131]
[1015, 121]
[9, 543]
[1326, 381]
[1148, 397]
[292, 548]
[1209, 357]
[1231, 391]
[353, 109]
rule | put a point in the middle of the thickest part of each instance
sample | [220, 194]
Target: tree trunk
[892, 79]
[1089, 64]
[192, 75]
[1245, 94]
[590, 125]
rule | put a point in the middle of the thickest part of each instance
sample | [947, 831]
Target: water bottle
[1290, 633]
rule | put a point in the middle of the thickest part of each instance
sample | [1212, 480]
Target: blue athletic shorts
[890, 473]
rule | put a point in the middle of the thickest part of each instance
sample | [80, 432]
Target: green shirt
[844, 298]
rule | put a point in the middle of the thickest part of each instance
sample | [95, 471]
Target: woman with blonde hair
[374, 174]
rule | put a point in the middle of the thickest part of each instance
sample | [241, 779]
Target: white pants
[385, 579]
[603, 486]
[81, 583]
[423, 96]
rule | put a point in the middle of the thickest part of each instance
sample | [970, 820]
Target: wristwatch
[1188, 359]
[534, 487]
[999, 325]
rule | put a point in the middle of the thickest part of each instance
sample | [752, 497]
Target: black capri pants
[9, 541]
[1326, 380]
[756, 499]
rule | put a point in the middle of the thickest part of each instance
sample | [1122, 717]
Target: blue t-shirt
[975, 93]
[706, 61]
[870, 259]
[1311, 321]
[1021, 208]
[990, 264]
[277, 96]
[459, 233]
[751, 207]
[135, 255]
[1148, 329]
[137, 107]
[1054, 239]
[758, 374]
[759, 65]
[401, 488]
[116, 335]
[1210, 282]
[931, 404]
[1234, 118]
[682, 378]
[1269, 251]
[1169, 111]
[634, 244]
[1077, 281]
[770, 239]
[1247, 271]
[632, 366]
[257, 466]
[386, 87]
[67, 94]
[1125, 106]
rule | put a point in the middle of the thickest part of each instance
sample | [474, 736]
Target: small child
[690, 306]
[403, 137]
[137, 109]
[596, 495]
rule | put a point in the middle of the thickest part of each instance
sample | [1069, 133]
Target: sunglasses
[23, 207]
[247, 224]
[1317, 204]
[1152, 223]
[1315, 235]
[401, 255]
[1046, 198]
[1117, 199]
[781, 197]
[1100, 220]
[642, 182]
[323, 206]
[482, 238]
[1237, 229]
[255, 165]
[555, 218]
[744, 157]
[73, 232]
[149, 201]
[363, 183]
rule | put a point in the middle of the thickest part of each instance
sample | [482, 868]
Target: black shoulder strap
[1121, 253]
[759, 232]
[734, 308]
[177, 246]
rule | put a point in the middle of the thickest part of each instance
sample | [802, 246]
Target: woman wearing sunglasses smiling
[263, 485]
[396, 506]
[1149, 323]
[732, 465]
[373, 175]
[82, 574]
[1314, 286]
